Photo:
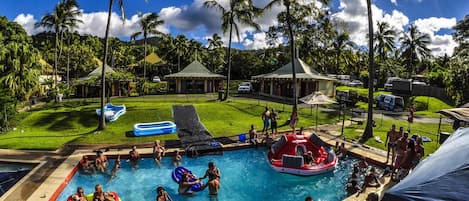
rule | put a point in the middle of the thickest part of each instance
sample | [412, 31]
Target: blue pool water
[246, 176]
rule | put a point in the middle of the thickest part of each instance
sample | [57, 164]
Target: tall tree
[102, 119]
[371, 70]
[216, 53]
[214, 42]
[241, 11]
[148, 24]
[340, 44]
[289, 21]
[414, 47]
[62, 19]
[384, 37]
[181, 47]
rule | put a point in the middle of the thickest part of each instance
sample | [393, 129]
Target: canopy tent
[153, 59]
[317, 98]
[461, 114]
[444, 175]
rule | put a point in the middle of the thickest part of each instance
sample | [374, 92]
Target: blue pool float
[112, 112]
[154, 128]
[177, 175]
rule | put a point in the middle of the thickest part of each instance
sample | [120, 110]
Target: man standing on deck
[392, 136]
[266, 120]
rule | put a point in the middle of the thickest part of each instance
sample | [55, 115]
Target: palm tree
[341, 42]
[289, 19]
[182, 45]
[62, 19]
[369, 121]
[148, 23]
[414, 47]
[242, 11]
[384, 37]
[102, 120]
[214, 42]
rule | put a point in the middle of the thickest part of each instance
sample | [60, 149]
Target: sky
[191, 18]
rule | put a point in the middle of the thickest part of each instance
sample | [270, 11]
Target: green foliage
[155, 88]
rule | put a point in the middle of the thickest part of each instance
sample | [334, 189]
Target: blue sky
[190, 18]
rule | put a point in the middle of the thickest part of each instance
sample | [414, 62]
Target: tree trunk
[228, 77]
[56, 60]
[292, 52]
[102, 119]
[144, 58]
[369, 122]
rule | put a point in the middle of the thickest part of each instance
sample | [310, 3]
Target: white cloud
[259, 41]
[394, 2]
[27, 21]
[440, 44]
[434, 24]
[354, 13]
[93, 24]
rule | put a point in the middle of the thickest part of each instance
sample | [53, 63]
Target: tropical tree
[62, 19]
[289, 21]
[341, 43]
[241, 11]
[414, 47]
[148, 24]
[216, 53]
[371, 70]
[102, 120]
[384, 37]
[181, 46]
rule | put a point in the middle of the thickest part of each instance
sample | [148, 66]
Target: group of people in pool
[98, 195]
[364, 174]
[188, 179]
[101, 162]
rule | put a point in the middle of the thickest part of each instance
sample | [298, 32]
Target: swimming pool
[11, 173]
[246, 176]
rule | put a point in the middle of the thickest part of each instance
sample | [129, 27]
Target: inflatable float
[90, 197]
[287, 155]
[154, 128]
[177, 175]
[112, 112]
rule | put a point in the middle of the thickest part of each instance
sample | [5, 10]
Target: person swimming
[185, 184]
[162, 195]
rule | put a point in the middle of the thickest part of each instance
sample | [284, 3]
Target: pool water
[245, 176]
[12, 167]
[11, 173]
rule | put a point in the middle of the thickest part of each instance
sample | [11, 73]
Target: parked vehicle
[355, 83]
[390, 103]
[349, 98]
[156, 79]
[245, 87]
[388, 83]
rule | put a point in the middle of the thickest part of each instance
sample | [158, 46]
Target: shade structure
[444, 175]
[153, 59]
[317, 98]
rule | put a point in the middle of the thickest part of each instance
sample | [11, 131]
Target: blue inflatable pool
[154, 128]
[112, 112]
[177, 175]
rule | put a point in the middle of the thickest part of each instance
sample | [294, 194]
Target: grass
[434, 105]
[420, 102]
[423, 129]
[74, 122]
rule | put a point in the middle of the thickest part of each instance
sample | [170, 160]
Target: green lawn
[423, 129]
[434, 104]
[75, 121]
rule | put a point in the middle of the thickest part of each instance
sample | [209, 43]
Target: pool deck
[58, 165]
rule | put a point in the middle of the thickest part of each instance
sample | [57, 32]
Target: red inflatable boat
[288, 155]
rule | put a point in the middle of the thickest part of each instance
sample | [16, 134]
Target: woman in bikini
[212, 172]
[158, 152]
[100, 195]
[101, 162]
